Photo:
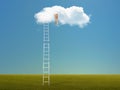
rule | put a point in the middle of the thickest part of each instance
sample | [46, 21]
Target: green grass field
[60, 82]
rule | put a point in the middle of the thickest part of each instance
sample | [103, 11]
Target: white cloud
[73, 15]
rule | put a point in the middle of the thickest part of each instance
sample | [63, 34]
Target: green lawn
[60, 82]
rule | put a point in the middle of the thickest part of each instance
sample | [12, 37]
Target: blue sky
[94, 49]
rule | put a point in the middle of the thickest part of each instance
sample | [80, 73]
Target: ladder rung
[46, 72]
[46, 35]
[46, 39]
[46, 55]
[46, 77]
[46, 27]
[46, 52]
[46, 47]
[46, 59]
[46, 81]
[46, 30]
[46, 63]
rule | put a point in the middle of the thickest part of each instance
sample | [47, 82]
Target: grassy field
[60, 82]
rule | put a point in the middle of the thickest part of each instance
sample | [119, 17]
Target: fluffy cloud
[73, 15]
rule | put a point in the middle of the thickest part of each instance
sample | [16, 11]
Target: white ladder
[46, 54]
